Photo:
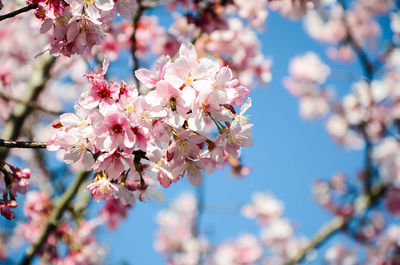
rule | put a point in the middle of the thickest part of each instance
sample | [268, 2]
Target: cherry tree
[72, 131]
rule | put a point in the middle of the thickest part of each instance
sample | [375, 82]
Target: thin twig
[55, 217]
[200, 194]
[17, 12]
[368, 66]
[31, 104]
[135, 23]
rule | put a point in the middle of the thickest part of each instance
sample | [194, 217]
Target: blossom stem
[55, 217]
[219, 126]
[369, 69]
[18, 11]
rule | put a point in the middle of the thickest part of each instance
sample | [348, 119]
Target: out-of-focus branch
[17, 12]
[200, 194]
[55, 216]
[367, 65]
[372, 193]
[153, 3]
[31, 104]
[195, 38]
[361, 205]
[22, 144]
[369, 69]
[368, 164]
[81, 204]
[323, 234]
[135, 23]
[39, 77]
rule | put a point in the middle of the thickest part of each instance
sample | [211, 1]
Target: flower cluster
[277, 233]
[336, 195]
[235, 45]
[384, 250]
[176, 236]
[13, 180]
[133, 142]
[246, 249]
[308, 73]
[78, 25]
[150, 36]
[368, 111]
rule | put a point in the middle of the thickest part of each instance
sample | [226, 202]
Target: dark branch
[368, 66]
[135, 23]
[22, 144]
[17, 12]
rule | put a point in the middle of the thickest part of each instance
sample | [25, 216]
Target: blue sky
[288, 155]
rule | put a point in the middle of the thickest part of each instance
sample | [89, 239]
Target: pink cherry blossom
[102, 188]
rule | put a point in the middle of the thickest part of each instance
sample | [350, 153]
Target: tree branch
[368, 66]
[22, 144]
[135, 22]
[39, 77]
[31, 104]
[17, 12]
[361, 205]
[55, 216]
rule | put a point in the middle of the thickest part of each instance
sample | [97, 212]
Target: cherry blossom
[115, 130]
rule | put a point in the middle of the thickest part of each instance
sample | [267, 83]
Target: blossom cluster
[384, 250]
[334, 24]
[211, 16]
[179, 239]
[133, 142]
[78, 25]
[177, 236]
[235, 45]
[13, 180]
[149, 36]
[308, 73]
[369, 110]
[277, 232]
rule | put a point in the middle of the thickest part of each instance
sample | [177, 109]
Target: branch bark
[39, 77]
[17, 12]
[135, 22]
[55, 217]
[22, 144]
